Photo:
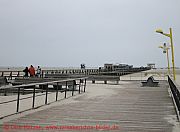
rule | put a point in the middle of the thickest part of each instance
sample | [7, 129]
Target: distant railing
[12, 74]
[176, 96]
[141, 76]
[19, 88]
[95, 71]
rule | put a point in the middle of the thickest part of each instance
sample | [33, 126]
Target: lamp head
[159, 31]
[164, 47]
[160, 47]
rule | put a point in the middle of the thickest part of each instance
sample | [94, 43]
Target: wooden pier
[11, 74]
[127, 107]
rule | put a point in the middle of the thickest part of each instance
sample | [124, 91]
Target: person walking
[32, 71]
[26, 70]
[38, 74]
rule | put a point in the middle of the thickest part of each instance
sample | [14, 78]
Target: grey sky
[94, 32]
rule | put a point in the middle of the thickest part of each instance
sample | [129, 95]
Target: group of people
[32, 72]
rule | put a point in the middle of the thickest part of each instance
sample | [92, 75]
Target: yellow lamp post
[172, 47]
[165, 50]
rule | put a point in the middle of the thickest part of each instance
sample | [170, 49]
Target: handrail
[176, 96]
[82, 85]
[42, 83]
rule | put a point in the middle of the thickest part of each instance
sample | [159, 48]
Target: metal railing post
[2, 74]
[11, 75]
[23, 91]
[57, 92]
[18, 74]
[19, 90]
[73, 88]
[80, 86]
[85, 85]
[17, 110]
[46, 93]
[34, 90]
[42, 74]
[65, 90]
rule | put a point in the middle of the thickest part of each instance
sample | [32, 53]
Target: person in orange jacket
[32, 71]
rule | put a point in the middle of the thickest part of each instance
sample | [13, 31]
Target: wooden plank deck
[126, 107]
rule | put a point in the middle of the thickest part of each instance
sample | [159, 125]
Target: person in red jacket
[32, 71]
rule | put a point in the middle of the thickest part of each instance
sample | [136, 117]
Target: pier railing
[78, 82]
[94, 71]
[141, 76]
[175, 95]
[11, 74]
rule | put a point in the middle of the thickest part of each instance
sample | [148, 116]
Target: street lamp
[172, 47]
[165, 50]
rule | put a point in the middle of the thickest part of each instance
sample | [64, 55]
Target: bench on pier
[69, 84]
[150, 82]
[3, 81]
[104, 78]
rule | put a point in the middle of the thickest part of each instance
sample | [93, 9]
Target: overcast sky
[70, 32]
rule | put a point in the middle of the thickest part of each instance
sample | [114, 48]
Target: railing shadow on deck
[81, 88]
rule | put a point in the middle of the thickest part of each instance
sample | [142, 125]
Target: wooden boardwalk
[126, 107]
